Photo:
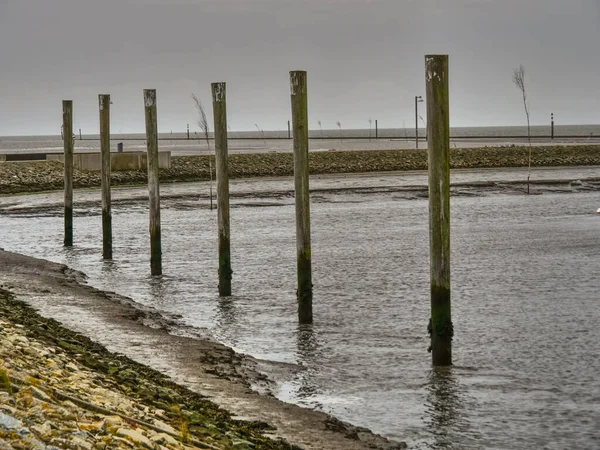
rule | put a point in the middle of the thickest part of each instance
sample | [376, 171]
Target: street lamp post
[418, 99]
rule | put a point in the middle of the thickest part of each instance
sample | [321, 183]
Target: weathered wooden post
[300, 130]
[220, 119]
[438, 132]
[104, 104]
[68, 147]
[376, 130]
[153, 182]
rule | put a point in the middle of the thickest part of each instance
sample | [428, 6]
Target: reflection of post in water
[445, 408]
[109, 268]
[227, 315]
[307, 353]
[71, 256]
[158, 290]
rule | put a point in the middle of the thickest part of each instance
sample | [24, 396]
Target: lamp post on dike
[418, 99]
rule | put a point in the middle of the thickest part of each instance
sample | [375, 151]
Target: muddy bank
[58, 389]
[17, 177]
[135, 350]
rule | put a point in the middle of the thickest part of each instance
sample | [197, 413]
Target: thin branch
[519, 80]
[202, 121]
[203, 124]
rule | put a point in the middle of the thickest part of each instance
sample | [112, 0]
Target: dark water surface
[525, 281]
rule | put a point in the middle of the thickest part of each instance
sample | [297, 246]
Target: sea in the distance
[327, 139]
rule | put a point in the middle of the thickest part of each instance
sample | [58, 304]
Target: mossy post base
[300, 132]
[438, 132]
[221, 162]
[68, 148]
[104, 106]
[153, 182]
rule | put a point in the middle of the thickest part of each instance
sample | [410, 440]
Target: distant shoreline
[543, 130]
[37, 176]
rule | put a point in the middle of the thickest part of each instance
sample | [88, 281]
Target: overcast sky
[365, 59]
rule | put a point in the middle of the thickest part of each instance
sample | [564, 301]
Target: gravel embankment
[17, 177]
[59, 390]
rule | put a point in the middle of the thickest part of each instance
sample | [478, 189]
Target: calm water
[525, 305]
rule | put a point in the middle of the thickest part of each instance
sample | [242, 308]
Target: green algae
[185, 410]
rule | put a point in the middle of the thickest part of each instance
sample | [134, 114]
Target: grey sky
[365, 59]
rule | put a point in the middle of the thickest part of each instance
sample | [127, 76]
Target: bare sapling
[339, 124]
[262, 134]
[203, 124]
[519, 80]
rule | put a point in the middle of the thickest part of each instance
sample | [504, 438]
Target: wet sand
[205, 367]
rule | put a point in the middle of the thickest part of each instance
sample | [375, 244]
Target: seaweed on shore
[195, 415]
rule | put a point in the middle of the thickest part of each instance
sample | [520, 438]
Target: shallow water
[524, 280]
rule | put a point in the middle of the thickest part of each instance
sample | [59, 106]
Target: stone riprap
[58, 392]
[35, 176]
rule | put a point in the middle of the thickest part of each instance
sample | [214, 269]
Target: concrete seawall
[118, 161]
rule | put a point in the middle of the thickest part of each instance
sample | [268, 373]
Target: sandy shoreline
[208, 368]
[20, 177]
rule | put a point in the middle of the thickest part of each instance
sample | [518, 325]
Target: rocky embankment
[16, 177]
[59, 390]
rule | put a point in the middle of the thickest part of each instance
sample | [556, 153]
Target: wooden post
[376, 130]
[188, 131]
[289, 131]
[551, 125]
[104, 104]
[80, 138]
[68, 147]
[438, 132]
[300, 126]
[153, 182]
[220, 119]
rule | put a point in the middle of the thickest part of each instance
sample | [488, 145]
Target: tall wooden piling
[220, 120]
[68, 148]
[104, 105]
[300, 132]
[153, 183]
[438, 132]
